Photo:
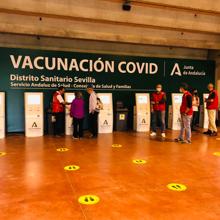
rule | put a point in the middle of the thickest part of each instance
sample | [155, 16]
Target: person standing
[58, 111]
[158, 102]
[212, 107]
[78, 113]
[195, 104]
[186, 112]
[93, 112]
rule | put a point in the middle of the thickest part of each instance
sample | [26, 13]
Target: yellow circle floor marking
[71, 167]
[139, 161]
[2, 153]
[88, 199]
[177, 187]
[216, 154]
[116, 145]
[62, 149]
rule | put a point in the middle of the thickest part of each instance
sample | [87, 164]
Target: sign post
[34, 115]
[2, 114]
[105, 121]
[142, 112]
[69, 97]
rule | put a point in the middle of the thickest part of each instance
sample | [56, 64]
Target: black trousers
[195, 119]
[93, 123]
[78, 127]
[59, 123]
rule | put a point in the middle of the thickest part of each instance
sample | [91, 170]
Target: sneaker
[163, 135]
[153, 134]
[213, 134]
[186, 142]
[93, 136]
[178, 140]
[75, 138]
[207, 132]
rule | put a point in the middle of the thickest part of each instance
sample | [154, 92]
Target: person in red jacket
[58, 111]
[186, 112]
[158, 103]
[212, 107]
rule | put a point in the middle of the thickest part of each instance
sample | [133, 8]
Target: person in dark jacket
[78, 113]
[93, 111]
[186, 112]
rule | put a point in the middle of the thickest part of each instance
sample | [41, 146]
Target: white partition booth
[69, 97]
[2, 114]
[34, 114]
[105, 120]
[175, 111]
[142, 112]
[203, 119]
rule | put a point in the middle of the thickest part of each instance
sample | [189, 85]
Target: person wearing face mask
[58, 111]
[158, 103]
[186, 112]
[212, 107]
[195, 103]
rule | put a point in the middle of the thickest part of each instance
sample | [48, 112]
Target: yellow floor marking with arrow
[139, 161]
[62, 149]
[71, 168]
[216, 154]
[88, 199]
[116, 145]
[2, 153]
[177, 187]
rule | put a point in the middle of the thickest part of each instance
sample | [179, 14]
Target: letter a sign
[105, 122]
[34, 125]
[176, 70]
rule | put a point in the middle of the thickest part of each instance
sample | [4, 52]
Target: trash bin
[121, 117]
[121, 120]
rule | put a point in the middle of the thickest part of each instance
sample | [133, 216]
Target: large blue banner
[39, 70]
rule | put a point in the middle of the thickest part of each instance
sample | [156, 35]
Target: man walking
[58, 111]
[158, 102]
[212, 107]
[186, 112]
[93, 112]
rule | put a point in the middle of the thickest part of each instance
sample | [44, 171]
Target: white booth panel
[69, 97]
[203, 119]
[176, 116]
[142, 112]
[105, 120]
[2, 114]
[34, 114]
